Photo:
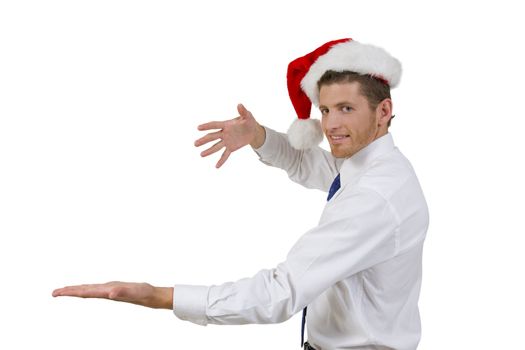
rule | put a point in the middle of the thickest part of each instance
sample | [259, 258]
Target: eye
[324, 111]
[346, 109]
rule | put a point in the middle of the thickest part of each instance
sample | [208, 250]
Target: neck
[380, 133]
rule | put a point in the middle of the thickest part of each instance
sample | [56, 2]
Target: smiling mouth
[338, 138]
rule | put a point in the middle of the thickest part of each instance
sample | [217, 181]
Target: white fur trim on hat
[356, 57]
[305, 133]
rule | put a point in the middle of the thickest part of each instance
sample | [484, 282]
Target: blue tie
[336, 185]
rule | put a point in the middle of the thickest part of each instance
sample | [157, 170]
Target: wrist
[163, 298]
[260, 137]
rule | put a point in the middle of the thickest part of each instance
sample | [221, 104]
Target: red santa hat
[338, 55]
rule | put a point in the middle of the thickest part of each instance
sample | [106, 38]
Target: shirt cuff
[269, 145]
[189, 303]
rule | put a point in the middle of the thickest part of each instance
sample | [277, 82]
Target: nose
[331, 120]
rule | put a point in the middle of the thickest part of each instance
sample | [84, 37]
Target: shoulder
[387, 174]
[393, 178]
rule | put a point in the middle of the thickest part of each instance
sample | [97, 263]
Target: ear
[384, 112]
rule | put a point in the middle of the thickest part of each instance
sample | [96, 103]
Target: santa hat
[338, 55]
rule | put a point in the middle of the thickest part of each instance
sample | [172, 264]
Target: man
[359, 271]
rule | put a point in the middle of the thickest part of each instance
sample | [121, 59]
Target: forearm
[264, 298]
[313, 168]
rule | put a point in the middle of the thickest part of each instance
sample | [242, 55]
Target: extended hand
[136, 293]
[233, 134]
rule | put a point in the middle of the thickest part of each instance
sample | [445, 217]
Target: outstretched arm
[135, 293]
[313, 168]
[232, 135]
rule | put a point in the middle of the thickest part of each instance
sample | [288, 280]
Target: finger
[211, 125]
[243, 112]
[208, 138]
[57, 292]
[65, 291]
[224, 158]
[215, 148]
[83, 291]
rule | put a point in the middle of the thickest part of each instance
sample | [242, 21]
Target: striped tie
[336, 185]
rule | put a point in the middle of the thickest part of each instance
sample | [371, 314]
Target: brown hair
[373, 89]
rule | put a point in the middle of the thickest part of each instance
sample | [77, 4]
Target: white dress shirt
[358, 271]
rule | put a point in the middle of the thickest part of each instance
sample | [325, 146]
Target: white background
[100, 181]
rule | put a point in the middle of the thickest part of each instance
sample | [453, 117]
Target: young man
[359, 271]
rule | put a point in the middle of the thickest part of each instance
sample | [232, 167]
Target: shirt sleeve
[312, 168]
[355, 232]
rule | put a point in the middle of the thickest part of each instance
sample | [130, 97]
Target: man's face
[347, 120]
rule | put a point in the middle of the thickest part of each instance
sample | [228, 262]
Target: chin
[339, 153]
[342, 152]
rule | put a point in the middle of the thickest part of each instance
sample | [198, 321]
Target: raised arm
[313, 168]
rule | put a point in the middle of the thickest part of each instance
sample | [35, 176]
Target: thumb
[243, 112]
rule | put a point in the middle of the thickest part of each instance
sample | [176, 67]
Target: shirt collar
[362, 159]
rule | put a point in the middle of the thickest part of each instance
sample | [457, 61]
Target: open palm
[232, 134]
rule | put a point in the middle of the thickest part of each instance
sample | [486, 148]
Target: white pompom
[305, 133]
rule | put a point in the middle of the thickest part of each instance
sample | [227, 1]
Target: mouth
[337, 139]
